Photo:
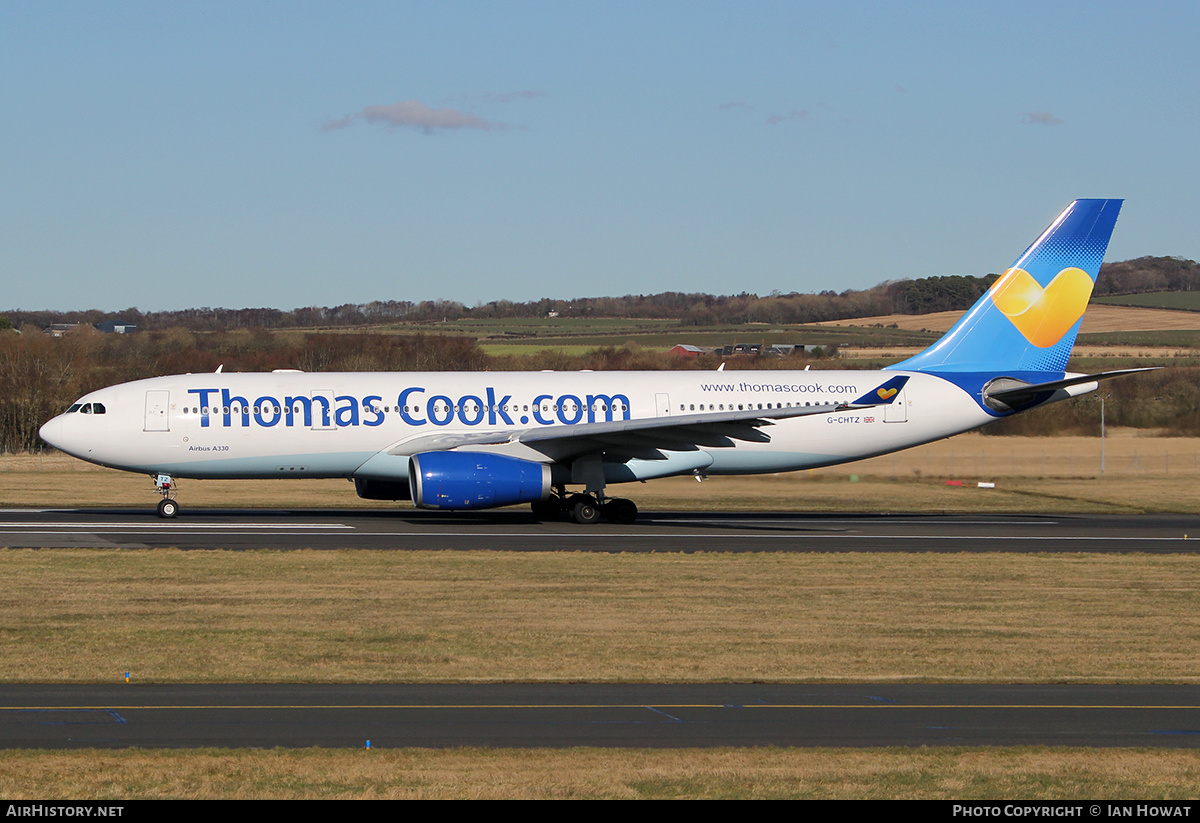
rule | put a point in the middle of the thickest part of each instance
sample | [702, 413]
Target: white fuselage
[358, 424]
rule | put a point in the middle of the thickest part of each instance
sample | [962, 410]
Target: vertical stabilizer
[1027, 321]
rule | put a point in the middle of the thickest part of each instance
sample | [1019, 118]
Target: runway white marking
[32, 511]
[108, 527]
[692, 536]
[808, 522]
[800, 535]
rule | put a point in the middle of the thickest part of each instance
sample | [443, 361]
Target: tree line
[918, 296]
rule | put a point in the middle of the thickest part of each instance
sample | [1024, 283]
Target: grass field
[166, 616]
[1125, 333]
[625, 774]
[526, 335]
[719, 336]
[1142, 473]
[1182, 338]
[1177, 300]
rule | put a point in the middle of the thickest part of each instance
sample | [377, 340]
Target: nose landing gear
[167, 507]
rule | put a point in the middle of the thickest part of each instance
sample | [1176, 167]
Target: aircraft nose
[51, 432]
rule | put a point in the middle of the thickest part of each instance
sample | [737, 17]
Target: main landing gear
[167, 507]
[585, 509]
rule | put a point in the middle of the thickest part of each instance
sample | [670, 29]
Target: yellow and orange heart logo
[1042, 316]
[884, 394]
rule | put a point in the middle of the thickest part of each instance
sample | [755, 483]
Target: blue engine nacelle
[475, 480]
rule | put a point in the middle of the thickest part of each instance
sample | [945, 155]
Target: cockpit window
[74, 408]
[87, 408]
[98, 408]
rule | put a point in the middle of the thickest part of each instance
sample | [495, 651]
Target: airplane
[480, 440]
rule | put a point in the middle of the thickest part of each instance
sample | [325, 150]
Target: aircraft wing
[644, 437]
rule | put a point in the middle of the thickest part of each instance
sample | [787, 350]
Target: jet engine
[475, 480]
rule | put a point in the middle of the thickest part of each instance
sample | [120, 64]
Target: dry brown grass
[1052, 474]
[1130, 454]
[1080, 351]
[1143, 473]
[55, 479]
[928, 773]
[344, 616]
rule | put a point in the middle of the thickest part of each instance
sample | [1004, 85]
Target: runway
[557, 715]
[515, 530]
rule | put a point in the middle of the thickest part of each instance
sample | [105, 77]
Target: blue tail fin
[1028, 319]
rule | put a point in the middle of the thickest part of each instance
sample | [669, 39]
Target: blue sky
[171, 155]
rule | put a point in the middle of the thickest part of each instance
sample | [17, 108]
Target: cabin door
[897, 410]
[322, 419]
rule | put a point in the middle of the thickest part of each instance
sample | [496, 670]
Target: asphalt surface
[557, 715]
[655, 531]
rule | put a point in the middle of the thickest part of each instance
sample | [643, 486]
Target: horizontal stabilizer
[1009, 394]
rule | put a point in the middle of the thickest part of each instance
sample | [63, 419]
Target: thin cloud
[503, 97]
[334, 125]
[1041, 118]
[413, 114]
[794, 114]
[418, 115]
